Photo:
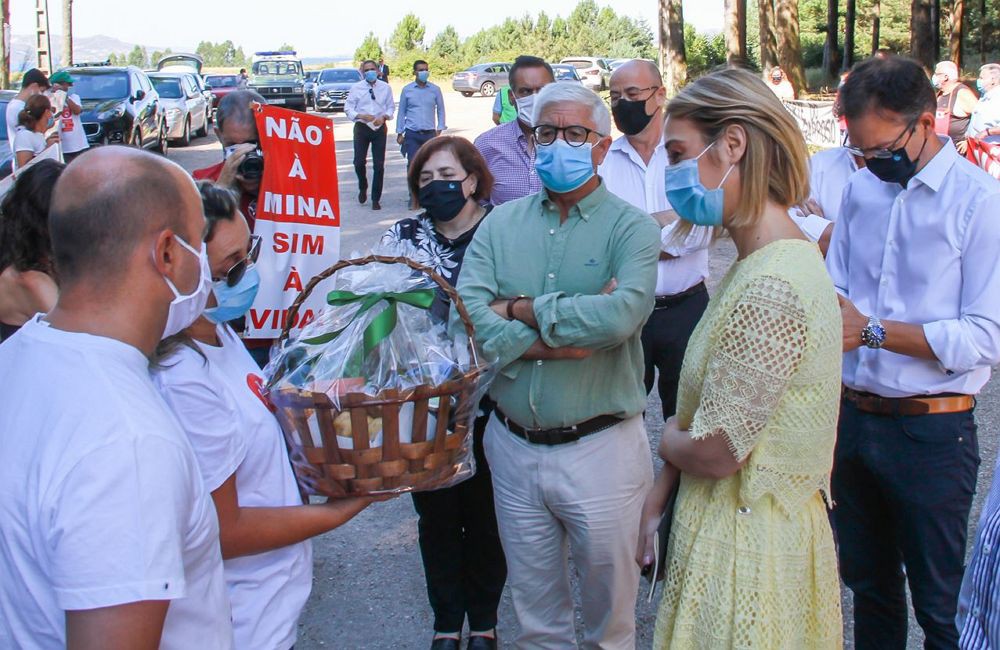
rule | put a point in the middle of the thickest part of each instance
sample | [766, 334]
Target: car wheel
[137, 139]
[185, 139]
[488, 89]
[203, 131]
[162, 146]
[466, 93]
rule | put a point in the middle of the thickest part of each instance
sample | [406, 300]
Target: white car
[594, 71]
[183, 105]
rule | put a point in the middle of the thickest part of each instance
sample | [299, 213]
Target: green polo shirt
[522, 249]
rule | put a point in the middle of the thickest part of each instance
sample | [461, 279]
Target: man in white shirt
[633, 170]
[985, 122]
[914, 259]
[829, 171]
[107, 535]
[72, 138]
[33, 82]
[370, 105]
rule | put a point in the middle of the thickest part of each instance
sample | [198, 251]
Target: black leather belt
[422, 132]
[561, 435]
[663, 302]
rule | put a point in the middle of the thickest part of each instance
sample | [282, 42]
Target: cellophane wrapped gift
[373, 396]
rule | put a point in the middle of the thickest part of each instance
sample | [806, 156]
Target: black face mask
[897, 169]
[442, 200]
[630, 117]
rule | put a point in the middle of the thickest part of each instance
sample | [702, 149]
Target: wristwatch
[511, 303]
[873, 334]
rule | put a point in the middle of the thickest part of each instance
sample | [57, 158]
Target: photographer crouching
[241, 169]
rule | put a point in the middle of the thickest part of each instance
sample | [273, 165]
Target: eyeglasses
[574, 135]
[238, 270]
[884, 153]
[632, 94]
[371, 91]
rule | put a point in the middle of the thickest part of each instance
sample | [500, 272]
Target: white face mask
[185, 310]
[525, 108]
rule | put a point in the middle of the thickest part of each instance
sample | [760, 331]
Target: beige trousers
[585, 497]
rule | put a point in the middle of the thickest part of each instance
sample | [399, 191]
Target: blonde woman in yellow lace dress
[750, 561]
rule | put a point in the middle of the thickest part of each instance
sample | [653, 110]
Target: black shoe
[362, 196]
[482, 643]
[444, 644]
[376, 205]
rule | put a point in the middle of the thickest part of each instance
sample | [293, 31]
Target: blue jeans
[902, 488]
[412, 141]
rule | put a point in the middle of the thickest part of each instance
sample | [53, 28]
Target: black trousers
[902, 488]
[460, 546]
[664, 340]
[364, 138]
[412, 141]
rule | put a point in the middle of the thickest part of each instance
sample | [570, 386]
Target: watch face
[873, 335]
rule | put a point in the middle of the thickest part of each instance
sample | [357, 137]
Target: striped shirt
[511, 161]
[979, 601]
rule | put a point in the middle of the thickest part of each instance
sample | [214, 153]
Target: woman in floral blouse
[459, 542]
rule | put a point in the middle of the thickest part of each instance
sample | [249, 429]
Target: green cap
[61, 77]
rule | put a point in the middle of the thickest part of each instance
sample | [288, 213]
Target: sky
[315, 27]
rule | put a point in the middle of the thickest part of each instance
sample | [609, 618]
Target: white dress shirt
[924, 255]
[986, 115]
[631, 179]
[829, 171]
[359, 102]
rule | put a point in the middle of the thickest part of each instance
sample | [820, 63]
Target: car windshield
[226, 81]
[277, 68]
[579, 65]
[110, 85]
[565, 73]
[339, 76]
[168, 88]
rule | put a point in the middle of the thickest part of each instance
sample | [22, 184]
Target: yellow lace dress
[751, 561]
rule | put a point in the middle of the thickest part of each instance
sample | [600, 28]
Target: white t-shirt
[28, 140]
[14, 107]
[71, 135]
[217, 400]
[100, 502]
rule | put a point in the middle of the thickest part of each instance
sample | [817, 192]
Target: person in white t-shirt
[214, 387]
[29, 137]
[33, 82]
[829, 172]
[71, 135]
[107, 535]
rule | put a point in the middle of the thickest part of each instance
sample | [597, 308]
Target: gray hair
[236, 107]
[992, 70]
[561, 92]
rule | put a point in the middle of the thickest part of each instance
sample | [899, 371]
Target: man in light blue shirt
[985, 122]
[418, 103]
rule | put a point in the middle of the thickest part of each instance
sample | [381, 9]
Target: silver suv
[484, 78]
[594, 71]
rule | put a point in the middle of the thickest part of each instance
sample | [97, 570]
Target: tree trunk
[922, 33]
[5, 43]
[830, 47]
[789, 48]
[849, 19]
[983, 22]
[876, 25]
[768, 43]
[936, 30]
[735, 31]
[673, 60]
[67, 47]
[957, 32]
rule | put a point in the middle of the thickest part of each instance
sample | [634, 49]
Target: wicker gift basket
[349, 437]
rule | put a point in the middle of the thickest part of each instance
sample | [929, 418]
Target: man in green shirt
[559, 285]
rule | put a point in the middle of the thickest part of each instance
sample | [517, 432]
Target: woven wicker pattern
[321, 462]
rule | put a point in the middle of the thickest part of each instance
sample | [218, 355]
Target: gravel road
[368, 590]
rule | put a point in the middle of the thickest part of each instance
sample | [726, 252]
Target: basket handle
[456, 300]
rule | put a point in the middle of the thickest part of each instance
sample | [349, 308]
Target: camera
[252, 166]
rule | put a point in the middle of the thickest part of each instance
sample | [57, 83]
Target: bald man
[955, 102]
[633, 170]
[107, 536]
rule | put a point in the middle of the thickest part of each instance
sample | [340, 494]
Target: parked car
[120, 106]
[221, 85]
[566, 73]
[191, 64]
[6, 157]
[595, 72]
[484, 78]
[183, 105]
[332, 87]
[311, 76]
[278, 78]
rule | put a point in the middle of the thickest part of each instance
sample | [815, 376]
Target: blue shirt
[979, 601]
[416, 108]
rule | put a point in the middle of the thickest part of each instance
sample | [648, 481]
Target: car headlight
[298, 89]
[112, 113]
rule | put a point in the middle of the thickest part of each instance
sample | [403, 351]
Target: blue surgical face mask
[423, 76]
[371, 76]
[979, 86]
[562, 167]
[689, 198]
[234, 302]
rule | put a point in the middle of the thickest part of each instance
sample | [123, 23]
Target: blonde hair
[775, 165]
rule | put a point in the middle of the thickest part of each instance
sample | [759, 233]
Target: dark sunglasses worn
[238, 270]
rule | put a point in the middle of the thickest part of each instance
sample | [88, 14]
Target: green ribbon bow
[383, 324]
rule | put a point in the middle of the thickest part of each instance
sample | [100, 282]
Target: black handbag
[658, 570]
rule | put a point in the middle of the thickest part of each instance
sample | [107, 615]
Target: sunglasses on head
[238, 270]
